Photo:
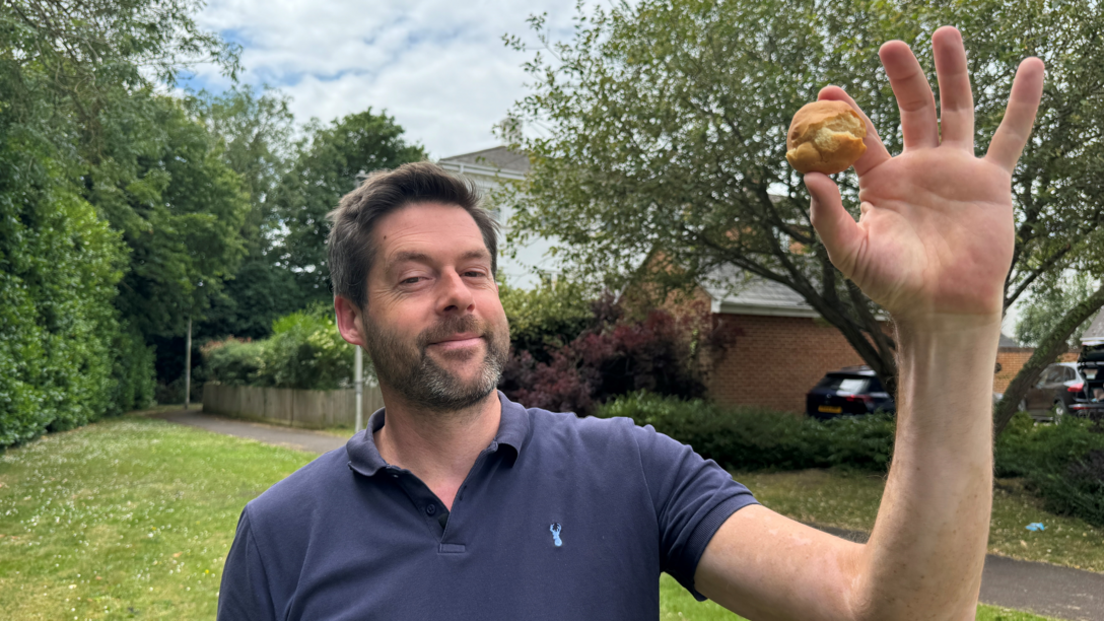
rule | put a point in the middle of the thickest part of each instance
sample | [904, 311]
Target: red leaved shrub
[662, 353]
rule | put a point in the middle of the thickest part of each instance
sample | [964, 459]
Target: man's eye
[474, 274]
[410, 281]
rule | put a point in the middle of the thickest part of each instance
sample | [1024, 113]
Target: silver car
[1062, 389]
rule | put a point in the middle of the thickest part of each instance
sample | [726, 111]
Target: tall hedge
[60, 337]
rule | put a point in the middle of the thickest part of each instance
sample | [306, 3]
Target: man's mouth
[459, 341]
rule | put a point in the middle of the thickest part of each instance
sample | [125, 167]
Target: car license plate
[830, 409]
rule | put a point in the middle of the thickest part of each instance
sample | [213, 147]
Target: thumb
[837, 228]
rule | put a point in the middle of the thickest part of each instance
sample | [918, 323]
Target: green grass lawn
[132, 518]
[128, 518]
[850, 500]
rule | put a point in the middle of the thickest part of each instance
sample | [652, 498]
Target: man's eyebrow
[421, 257]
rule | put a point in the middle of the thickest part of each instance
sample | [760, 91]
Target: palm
[936, 231]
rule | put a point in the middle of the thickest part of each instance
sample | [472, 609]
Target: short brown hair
[353, 222]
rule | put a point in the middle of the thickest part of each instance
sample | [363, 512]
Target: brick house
[782, 349]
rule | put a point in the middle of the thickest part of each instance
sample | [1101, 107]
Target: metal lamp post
[358, 364]
[188, 366]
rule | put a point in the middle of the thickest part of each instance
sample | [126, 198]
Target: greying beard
[424, 383]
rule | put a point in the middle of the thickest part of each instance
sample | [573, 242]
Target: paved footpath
[300, 439]
[1041, 588]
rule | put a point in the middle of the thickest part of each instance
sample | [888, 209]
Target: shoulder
[567, 427]
[296, 497]
[604, 441]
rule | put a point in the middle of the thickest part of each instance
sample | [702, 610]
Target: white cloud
[439, 67]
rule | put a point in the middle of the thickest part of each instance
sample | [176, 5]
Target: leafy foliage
[58, 267]
[618, 353]
[758, 439]
[255, 133]
[547, 317]
[1046, 306]
[180, 210]
[665, 138]
[325, 169]
[87, 155]
[1063, 462]
[305, 351]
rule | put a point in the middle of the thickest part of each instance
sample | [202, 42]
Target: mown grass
[129, 518]
[850, 500]
[132, 518]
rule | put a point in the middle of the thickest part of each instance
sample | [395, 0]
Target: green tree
[180, 209]
[325, 169]
[664, 137]
[256, 131]
[1047, 305]
[75, 80]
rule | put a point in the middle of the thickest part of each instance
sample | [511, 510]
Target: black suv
[1069, 387]
[849, 391]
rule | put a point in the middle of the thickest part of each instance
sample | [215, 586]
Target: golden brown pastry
[826, 137]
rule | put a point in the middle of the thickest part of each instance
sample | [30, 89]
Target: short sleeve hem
[703, 534]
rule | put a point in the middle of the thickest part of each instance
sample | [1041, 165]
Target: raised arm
[932, 246]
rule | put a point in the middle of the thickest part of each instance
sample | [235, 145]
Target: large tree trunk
[1047, 352]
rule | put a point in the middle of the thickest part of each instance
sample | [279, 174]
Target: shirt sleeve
[692, 497]
[244, 594]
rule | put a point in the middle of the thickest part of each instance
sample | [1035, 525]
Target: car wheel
[1060, 411]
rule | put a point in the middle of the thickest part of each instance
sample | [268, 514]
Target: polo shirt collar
[365, 458]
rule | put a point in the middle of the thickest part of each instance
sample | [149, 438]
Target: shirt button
[431, 509]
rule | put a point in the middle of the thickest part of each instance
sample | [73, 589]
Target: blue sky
[438, 66]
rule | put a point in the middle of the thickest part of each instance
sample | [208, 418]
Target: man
[459, 504]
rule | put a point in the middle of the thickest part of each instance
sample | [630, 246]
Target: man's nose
[456, 295]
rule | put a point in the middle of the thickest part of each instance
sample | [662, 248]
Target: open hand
[936, 233]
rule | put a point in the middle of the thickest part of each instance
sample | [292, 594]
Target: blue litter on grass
[1036, 526]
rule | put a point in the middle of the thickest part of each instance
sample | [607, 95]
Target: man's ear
[348, 321]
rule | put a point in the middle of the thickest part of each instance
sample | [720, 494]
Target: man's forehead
[425, 232]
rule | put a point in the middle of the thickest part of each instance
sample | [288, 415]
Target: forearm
[925, 556]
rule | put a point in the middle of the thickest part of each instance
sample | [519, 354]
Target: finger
[1011, 137]
[956, 100]
[837, 229]
[914, 95]
[876, 152]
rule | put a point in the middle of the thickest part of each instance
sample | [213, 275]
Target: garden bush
[1062, 463]
[656, 351]
[546, 318]
[305, 351]
[748, 438]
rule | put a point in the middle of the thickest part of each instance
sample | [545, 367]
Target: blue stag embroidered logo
[555, 528]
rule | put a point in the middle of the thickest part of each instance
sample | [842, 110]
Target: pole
[358, 379]
[188, 366]
[358, 365]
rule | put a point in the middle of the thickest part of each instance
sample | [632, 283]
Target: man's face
[434, 326]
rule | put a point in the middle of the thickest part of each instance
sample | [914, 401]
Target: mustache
[450, 326]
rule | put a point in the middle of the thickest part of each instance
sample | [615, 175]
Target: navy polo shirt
[560, 518]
